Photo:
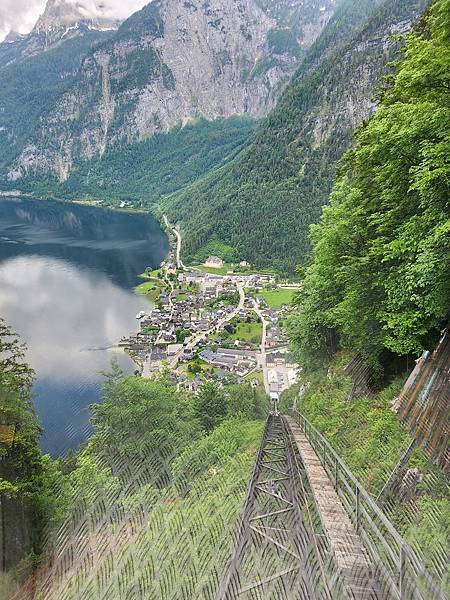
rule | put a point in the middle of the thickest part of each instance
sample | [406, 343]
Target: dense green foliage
[380, 277]
[18, 451]
[168, 472]
[214, 247]
[143, 172]
[263, 201]
[26, 476]
[210, 405]
[160, 165]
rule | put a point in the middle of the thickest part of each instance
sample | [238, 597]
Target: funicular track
[276, 554]
[301, 539]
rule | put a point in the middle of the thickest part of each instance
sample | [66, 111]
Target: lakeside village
[215, 322]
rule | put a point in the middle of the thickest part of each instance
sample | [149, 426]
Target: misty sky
[21, 15]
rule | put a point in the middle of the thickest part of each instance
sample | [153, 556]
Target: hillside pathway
[355, 569]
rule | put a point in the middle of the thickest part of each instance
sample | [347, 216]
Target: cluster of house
[194, 307]
[182, 310]
[237, 361]
[275, 336]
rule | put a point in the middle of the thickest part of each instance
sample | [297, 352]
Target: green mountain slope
[160, 165]
[30, 83]
[263, 202]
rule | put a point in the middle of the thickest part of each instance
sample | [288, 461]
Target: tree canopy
[380, 274]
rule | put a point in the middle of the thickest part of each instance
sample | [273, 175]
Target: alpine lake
[67, 273]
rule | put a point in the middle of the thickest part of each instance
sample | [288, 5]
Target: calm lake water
[66, 279]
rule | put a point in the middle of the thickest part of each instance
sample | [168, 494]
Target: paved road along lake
[67, 274]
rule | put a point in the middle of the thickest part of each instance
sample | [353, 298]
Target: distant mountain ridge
[61, 20]
[37, 67]
[64, 14]
[170, 63]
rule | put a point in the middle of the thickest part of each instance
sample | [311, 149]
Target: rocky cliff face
[38, 67]
[172, 62]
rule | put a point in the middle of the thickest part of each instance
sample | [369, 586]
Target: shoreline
[80, 202]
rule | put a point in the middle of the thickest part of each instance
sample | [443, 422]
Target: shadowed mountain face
[36, 68]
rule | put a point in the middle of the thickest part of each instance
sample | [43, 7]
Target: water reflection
[65, 288]
[117, 244]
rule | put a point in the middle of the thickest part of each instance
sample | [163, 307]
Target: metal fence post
[357, 508]
[402, 578]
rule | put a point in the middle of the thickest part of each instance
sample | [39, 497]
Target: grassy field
[276, 298]
[248, 332]
[198, 364]
[215, 271]
[151, 274]
[258, 375]
[233, 267]
[182, 296]
[151, 289]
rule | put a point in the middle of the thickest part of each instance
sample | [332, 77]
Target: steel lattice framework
[275, 554]
[287, 547]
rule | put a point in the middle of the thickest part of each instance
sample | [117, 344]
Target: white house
[214, 261]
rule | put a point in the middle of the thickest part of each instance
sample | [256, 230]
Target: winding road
[263, 356]
[176, 231]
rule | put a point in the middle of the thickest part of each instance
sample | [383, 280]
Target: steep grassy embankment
[367, 434]
[148, 508]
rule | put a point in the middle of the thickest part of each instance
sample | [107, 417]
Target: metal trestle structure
[272, 545]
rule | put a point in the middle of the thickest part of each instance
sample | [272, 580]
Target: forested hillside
[379, 287]
[144, 172]
[26, 477]
[379, 282]
[263, 202]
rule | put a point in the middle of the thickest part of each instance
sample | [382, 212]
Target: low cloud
[21, 15]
